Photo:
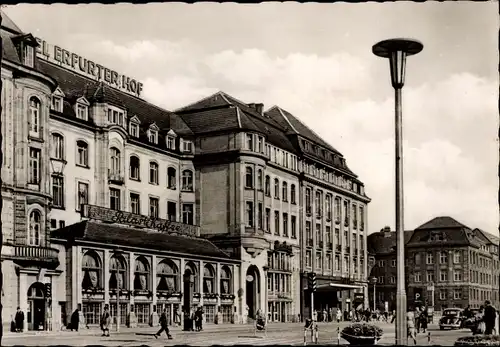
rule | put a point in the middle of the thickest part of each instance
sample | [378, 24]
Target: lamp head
[397, 50]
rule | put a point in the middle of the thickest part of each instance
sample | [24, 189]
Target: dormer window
[116, 116]
[29, 55]
[82, 109]
[57, 103]
[187, 146]
[134, 129]
[153, 136]
[170, 142]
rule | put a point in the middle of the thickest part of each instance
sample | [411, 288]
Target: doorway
[252, 291]
[36, 307]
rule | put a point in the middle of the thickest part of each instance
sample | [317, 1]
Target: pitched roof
[117, 235]
[75, 85]
[289, 121]
[489, 237]
[8, 24]
[385, 242]
[441, 223]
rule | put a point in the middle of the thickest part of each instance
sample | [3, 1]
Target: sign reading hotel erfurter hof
[120, 217]
[73, 61]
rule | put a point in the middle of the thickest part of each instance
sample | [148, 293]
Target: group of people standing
[484, 319]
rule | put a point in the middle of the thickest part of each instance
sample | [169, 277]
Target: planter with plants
[478, 340]
[362, 334]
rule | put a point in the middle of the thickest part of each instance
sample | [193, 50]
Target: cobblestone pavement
[278, 333]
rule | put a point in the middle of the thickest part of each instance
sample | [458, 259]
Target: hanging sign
[120, 217]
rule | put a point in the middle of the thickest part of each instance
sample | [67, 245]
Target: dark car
[452, 318]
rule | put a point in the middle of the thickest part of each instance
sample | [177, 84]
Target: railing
[115, 176]
[35, 252]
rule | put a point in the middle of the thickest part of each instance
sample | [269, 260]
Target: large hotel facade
[109, 199]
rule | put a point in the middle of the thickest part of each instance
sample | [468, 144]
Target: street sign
[417, 296]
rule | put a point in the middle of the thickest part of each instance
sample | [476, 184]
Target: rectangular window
[153, 207]
[34, 161]
[308, 258]
[328, 261]
[83, 195]
[393, 263]
[319, 234]
[354, 216]
[309, 236]
[268, 220]
[249, 142]
[308, 201]
[249, 214]
[260, 141]
[418, 277]
[53, 223]
[319, 260]
[457, 295]
[346, 213]
[153, 136]
[392, 279]
[57, 103]
[443, 257]
[134, 130]
[457, 276]
[188, 146]
[285, 224]
[457, 257]
[337, 236]
[153, 173]
[294, 227]
[442, 295]
[187, 214]
[429, 258]
[276, 223]
[380, 280]
[135, 203]
[337, 263]
[29, 56]
[361, 218]
[346, 264]
[171, 211]
[328, 235]
[58, 191]
[62, 224]
[114, 199]
[170, 142]
[83, 154]
[443, 276]
[430, 276]
[259, 216]
[81, 111]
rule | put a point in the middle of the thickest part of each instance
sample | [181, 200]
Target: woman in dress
[410, 321]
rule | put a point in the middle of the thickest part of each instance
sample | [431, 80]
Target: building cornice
[21, 71]
[308, 178]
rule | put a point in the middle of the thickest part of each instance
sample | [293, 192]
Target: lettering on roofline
[121, 217]
[88, 68]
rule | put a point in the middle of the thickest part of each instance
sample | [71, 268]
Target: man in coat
[164, 325]
[75, 320]
[19, 320]
[105, 321]
[490, 315]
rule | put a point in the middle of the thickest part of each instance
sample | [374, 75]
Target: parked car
[452, 318]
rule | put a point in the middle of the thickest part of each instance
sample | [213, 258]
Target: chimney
[257, 107]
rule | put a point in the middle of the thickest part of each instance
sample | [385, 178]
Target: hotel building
[241, 203]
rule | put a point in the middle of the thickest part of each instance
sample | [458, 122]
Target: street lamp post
[397, 50]
[374, 281]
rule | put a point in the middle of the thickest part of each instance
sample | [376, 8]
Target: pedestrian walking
[163, 325]
[75, 320]
[490, 315]
[105, 321]
[19, 318]
[339, 315]
[410, 321]
[424, 319]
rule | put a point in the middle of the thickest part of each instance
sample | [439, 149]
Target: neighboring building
[235, 203]
[268, 181]
[383, 272]
[447, 265]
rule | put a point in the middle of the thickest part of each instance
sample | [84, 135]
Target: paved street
[291, 333]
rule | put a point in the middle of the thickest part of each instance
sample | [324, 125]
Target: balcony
[31, 255]
[115, 177]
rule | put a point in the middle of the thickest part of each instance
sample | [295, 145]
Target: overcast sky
[315, 61]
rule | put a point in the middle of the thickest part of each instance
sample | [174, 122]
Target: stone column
[242, 299]
[200, 281]
[132, 319]
[105, 276]
[23, 296]
[153, 321]
[218, 288]
[78, 284]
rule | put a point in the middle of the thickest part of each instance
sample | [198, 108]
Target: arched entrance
[36, 306]
[253, 290]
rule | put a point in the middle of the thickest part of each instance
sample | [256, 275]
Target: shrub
[367, 330]
[478, 340]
